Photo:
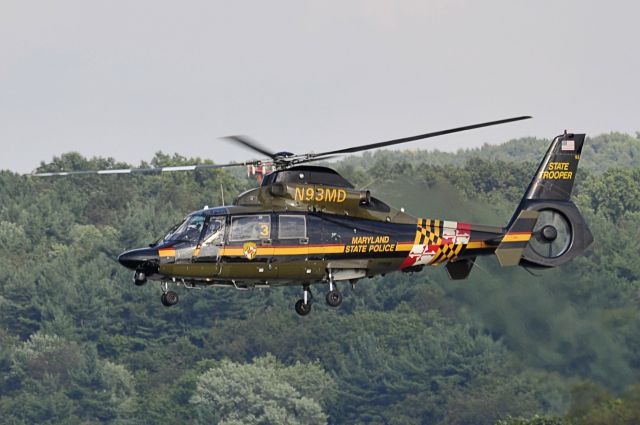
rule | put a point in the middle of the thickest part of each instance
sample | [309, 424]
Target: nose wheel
[139, 277]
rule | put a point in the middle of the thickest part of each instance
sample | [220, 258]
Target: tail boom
[546, 229]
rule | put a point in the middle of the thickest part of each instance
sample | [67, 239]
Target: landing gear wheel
[303, 308]
[334, 298]
[169, 298]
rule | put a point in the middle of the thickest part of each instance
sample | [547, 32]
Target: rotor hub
[549, 233]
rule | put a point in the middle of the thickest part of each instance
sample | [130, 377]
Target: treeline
[80, 344]
[599, 154]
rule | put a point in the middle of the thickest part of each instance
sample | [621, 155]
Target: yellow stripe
[167, 252]
[477, 245]
[299, 250]
[238, 252]
[233, 252]
[274, 250]
[517, 237]
[403, 247]
[326, 250]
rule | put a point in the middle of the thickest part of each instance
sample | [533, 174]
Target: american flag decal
[568, 145]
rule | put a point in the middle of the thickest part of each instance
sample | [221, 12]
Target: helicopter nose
[136, 257]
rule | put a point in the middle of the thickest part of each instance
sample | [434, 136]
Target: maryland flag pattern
[437, 241]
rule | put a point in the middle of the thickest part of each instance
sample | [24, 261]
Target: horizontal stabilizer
[513, 243]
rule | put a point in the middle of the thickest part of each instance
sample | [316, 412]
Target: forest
[81, 344]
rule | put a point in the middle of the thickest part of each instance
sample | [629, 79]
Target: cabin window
[292, 227]
[250, 227]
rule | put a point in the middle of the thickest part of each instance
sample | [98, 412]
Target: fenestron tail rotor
[552, 234]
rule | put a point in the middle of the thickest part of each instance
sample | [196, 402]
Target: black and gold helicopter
[307, 224]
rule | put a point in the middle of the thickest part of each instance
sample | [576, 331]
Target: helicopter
[306, 224]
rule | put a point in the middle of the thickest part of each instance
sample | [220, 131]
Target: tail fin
[557, 231]
[557, 171]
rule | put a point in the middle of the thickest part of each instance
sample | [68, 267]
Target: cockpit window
[214, 232]
[187, 231]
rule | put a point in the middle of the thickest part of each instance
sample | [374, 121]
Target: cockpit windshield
[187, 231]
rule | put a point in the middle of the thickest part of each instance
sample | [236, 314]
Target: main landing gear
[333, 298]
[303, 306]
[168, 298]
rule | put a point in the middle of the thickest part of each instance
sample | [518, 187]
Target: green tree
[615, 192]
[536, 420]
[262, 392]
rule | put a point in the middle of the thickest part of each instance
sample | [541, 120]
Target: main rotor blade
[314, 159]
[418, 137]
[248, 142]
[145, 170]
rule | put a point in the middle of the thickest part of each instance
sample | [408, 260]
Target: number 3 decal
[264, 230]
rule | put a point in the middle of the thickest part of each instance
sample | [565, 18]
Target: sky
[126, 79]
